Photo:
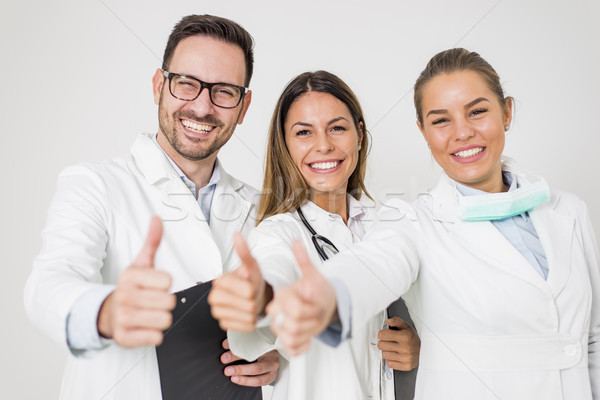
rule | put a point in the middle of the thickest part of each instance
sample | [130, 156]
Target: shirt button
[570, 350]
[389, 374]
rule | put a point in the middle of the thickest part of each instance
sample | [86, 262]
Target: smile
[196, 128]
[325, 166]
[469, 153]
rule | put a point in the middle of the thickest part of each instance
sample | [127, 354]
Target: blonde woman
[500, 274]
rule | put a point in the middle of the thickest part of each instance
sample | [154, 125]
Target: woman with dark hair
[500, 274]
[314, 177]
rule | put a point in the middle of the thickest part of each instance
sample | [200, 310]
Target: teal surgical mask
[494, 206]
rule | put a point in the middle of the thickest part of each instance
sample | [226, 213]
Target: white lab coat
[490, 326]
[354, 369]
[97, 223]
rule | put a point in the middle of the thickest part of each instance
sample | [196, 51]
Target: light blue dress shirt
[206, 193]
[82, 330]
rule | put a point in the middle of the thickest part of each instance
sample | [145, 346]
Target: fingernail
[235, 379]
[226, 357]
[229, 371]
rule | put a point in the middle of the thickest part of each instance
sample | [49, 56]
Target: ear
[157, 83]
[422, 131]
[245, 104]
[508, 109]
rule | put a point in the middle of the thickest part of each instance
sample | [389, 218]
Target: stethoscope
[316, 238]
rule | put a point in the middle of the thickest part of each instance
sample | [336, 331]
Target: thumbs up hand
[303, 309]
[138, 311]
[238, 297]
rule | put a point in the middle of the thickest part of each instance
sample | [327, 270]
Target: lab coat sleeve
[382, 267]
[590, 245]
[270, 244]
[73, 248]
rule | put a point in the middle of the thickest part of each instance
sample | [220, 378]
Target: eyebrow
[332, 121]
[468, 105]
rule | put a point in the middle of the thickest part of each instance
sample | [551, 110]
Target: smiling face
[196, 130]
[323, 140]
[464, 125]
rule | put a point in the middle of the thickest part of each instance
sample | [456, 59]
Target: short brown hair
[214, 27]
[284, 187]
[452, 60]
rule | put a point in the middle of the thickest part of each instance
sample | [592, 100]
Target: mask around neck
[495, 206]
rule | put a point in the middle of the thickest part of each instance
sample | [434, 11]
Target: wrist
[103, 322]
[265, 298]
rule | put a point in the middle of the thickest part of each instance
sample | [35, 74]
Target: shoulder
[286, 227]
[568, 203]
[94, 177]
[246, 191]
[280, 222]
[395, 209]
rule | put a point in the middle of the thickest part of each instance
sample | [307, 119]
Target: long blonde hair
[284, 188]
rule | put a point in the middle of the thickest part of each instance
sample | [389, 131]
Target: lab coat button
[389, 374]
[570, 350]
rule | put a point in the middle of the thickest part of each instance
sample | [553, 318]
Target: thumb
[145, 258]
[249, 267]
[306, 267]
[398, 323]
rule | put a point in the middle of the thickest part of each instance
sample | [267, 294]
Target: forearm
[86, 329]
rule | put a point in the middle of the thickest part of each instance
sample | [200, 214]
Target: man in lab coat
[102, 286]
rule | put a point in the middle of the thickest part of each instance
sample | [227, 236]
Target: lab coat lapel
[556, 235]
[177, 200]
[178, 205]
[481, 238]
[228, 213]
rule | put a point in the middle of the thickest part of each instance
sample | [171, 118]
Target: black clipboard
[189, 356]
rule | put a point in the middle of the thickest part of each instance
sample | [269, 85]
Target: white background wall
[76, 86]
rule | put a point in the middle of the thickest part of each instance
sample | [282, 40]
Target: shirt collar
[214, 178]
[356, 210]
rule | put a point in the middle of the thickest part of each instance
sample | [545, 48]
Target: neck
[495, 185]
[334, 203]
[197, 171]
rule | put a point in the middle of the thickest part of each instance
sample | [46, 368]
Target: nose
[323, 143]
[201, 105]
[463, 130]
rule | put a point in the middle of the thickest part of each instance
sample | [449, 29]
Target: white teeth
[192, 126]
[469, 153]
[325, 165]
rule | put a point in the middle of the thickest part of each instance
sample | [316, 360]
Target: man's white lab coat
[97, 224]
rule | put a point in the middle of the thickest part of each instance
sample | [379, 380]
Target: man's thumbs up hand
[145, 258]
[138, 311]
[303, 309]
[238, 297]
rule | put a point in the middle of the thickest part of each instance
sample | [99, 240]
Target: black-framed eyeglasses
[321, 243]
[188, 88]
